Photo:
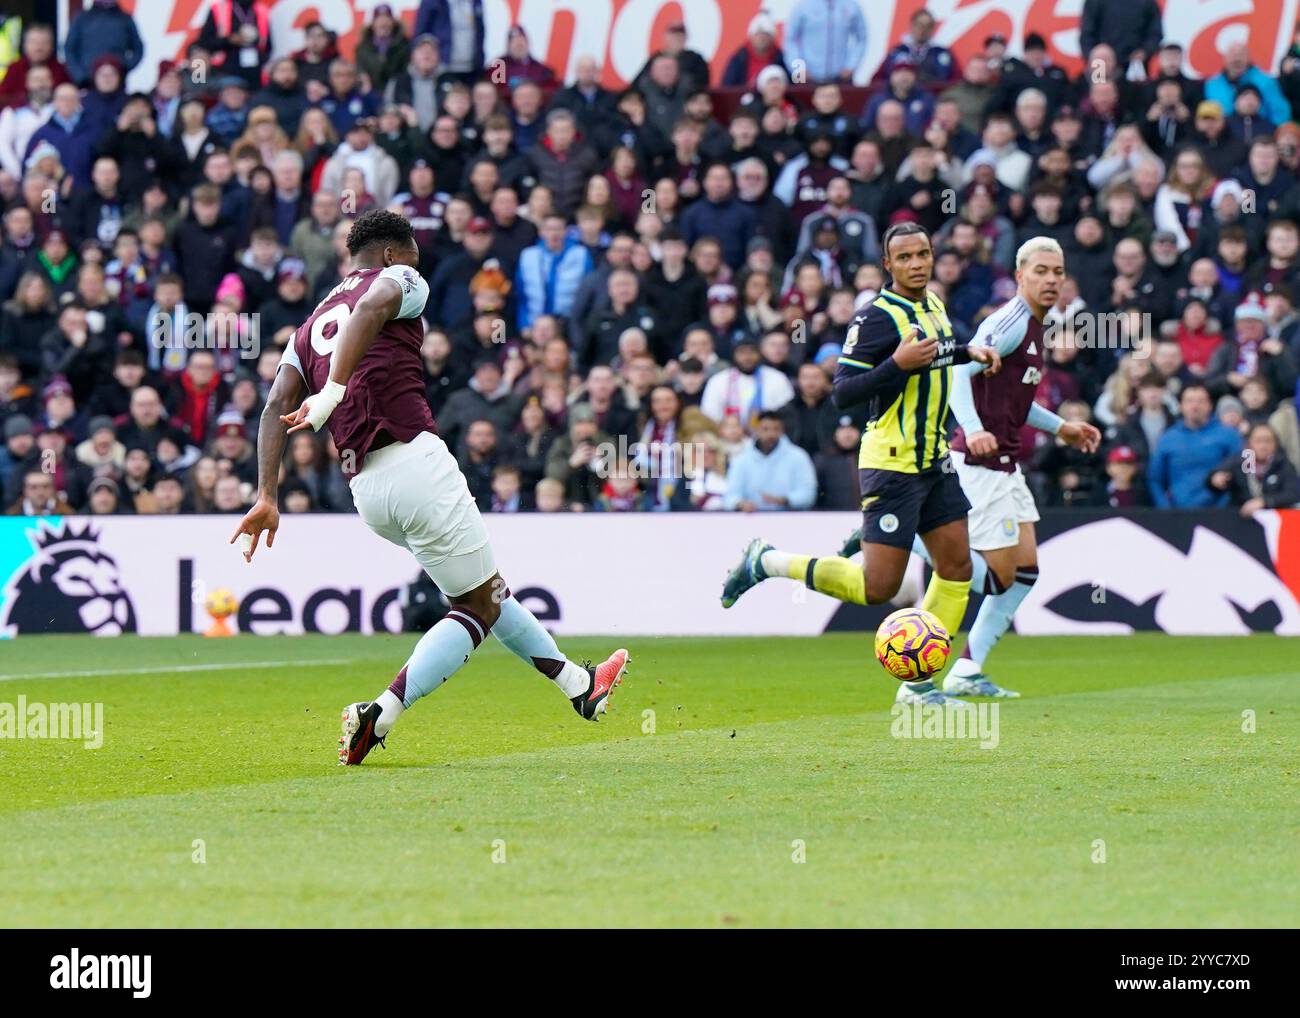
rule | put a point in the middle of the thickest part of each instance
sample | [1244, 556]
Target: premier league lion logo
[69, 585]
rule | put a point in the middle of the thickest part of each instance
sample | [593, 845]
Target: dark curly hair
[906, 228]
[379, 227]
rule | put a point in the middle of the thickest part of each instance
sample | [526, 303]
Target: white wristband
[324, 402]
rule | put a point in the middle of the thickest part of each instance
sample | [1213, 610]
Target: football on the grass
[912, 644]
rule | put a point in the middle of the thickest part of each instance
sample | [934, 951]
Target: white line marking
[167, 669]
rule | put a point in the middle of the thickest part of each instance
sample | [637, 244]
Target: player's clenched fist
[982, 443]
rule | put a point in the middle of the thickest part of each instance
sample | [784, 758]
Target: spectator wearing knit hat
[1222, 152]
[518, 62]
[290, 307]
[1253, 353]
[747, 389]
[100, 451]
[758, 51]
[1246, 122]
[230, 442]
[1032, 69]
[17, 453]
[383, 49]
[106, 96]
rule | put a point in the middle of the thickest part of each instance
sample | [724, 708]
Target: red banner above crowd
[623, 33]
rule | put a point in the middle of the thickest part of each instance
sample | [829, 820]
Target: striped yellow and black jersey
[907, 411]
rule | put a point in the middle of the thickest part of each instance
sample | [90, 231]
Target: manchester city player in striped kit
[991, 410]
[898, 359]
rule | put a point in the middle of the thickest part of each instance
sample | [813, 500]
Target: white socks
[776, 563]
[392, 709]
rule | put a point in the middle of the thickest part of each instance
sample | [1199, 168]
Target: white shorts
[999, 503]
[413, 494]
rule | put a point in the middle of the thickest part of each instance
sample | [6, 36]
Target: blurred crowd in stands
[636, 298]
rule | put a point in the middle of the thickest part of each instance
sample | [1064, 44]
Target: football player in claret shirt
[898, 359]
[990, 412]
[355, 363]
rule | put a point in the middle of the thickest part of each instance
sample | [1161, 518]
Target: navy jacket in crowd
[731, 223]
[434, 18]
[98, 30]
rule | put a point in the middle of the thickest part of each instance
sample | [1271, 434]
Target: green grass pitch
[495, 805]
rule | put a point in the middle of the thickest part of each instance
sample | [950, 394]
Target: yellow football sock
[839, 578]
[946, 599]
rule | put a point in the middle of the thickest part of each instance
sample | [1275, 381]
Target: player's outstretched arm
[962, 402]
[381, 304]
[286, 392]
[986, 356]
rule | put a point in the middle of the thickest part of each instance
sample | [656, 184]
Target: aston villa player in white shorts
[355, 366]
[990, 411]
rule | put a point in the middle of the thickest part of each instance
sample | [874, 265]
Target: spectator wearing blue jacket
[774, 474]
[457, 26]
[934, 64]
[721, 215]
[829, 38]
[1189, 452]
[549, 272]
[100, 29]
[1238, 71]
[917, 103]
[71, 132]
